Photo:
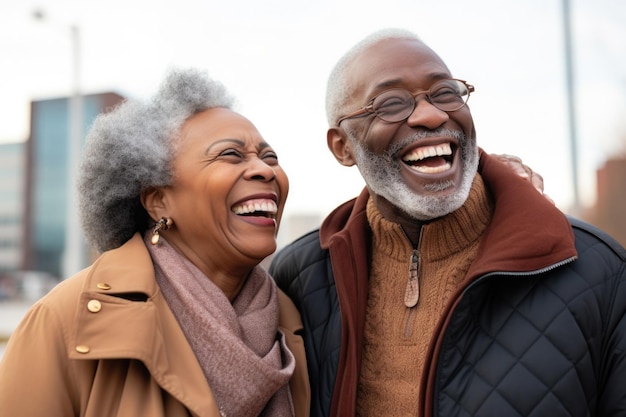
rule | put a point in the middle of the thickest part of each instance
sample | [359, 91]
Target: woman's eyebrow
[238, 142]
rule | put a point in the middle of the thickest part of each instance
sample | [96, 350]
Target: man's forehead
[392, 61]
[387, 51]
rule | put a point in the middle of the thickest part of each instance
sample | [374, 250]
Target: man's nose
[425, 114]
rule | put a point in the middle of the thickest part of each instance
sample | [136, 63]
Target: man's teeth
[432, 170]
[428, 152]
[252, 206]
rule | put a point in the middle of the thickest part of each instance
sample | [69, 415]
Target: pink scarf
[239, 346]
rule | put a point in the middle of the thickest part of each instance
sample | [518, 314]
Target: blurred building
[12, 168]
[609, 213]
[293, 226]
[47, 177]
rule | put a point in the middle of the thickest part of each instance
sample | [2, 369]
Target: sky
[275, 57]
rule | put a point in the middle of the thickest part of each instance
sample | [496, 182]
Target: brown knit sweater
[397, 337]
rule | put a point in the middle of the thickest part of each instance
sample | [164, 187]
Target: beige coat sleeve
[35, 376]
[291, 324]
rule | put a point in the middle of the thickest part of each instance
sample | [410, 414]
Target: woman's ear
[152, 199]
[340, 146]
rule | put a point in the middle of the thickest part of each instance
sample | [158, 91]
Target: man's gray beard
[382, 175]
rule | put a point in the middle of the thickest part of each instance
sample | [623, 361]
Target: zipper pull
[412, 293]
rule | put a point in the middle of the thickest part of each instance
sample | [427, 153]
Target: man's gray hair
[131, 149]
[337, 88]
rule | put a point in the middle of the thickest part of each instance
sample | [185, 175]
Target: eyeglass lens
[398, 104]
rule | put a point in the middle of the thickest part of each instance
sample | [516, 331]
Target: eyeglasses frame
[369, 107]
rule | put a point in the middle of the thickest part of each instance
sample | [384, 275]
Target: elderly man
[449, 286]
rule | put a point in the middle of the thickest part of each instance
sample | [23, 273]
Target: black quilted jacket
[539, 331]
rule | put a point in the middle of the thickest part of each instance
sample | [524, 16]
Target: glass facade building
[48, 170]
[12, 168]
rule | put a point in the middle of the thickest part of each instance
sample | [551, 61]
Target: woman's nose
[260, 170]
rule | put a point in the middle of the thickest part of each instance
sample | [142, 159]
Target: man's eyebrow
[395, 81]
[388, 83]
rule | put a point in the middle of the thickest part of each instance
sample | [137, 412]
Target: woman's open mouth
[257, 207]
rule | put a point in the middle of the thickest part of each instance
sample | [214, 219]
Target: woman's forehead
[218, 124]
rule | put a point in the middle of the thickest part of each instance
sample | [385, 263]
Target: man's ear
[340, 146]
[153, 200]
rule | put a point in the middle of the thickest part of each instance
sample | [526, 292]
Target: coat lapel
[123, 315]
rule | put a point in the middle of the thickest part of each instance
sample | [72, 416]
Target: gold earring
[163, 224]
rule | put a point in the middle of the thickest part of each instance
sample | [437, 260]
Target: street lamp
[73, 254]
[571, 103]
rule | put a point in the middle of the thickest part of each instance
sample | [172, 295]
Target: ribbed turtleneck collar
[445, 236]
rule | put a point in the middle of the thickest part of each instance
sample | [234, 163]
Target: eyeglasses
[397, 104]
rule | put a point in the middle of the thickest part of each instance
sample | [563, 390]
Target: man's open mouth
[430, 159]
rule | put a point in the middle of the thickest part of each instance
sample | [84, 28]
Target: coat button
[82, 349]
[103, 286]
[94, 306]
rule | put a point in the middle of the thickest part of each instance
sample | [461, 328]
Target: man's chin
[432, 204]
[440, 188]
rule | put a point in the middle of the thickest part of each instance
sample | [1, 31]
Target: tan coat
[105, 343]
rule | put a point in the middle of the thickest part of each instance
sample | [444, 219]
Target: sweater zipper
[412, 292]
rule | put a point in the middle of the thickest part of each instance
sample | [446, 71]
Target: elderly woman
[175, 318]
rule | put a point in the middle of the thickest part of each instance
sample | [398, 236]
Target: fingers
[515, 163]
[524, 171]
[506, 158]
[537, 181]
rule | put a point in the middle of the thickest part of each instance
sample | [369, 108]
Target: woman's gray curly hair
[132, 148]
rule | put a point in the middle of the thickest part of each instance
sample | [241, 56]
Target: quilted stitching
[306, 277]
[531, 346]
[528, 346]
